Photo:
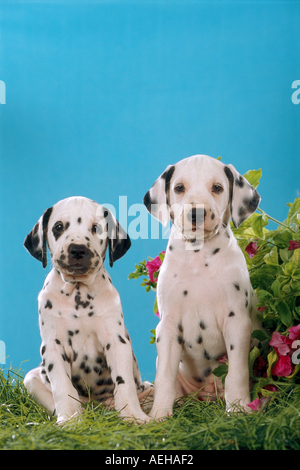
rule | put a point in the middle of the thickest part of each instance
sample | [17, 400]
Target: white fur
[205, 298]
[84, 339]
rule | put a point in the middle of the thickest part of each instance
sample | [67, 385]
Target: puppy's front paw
[160, 414]
[65, 417]
[137, 417]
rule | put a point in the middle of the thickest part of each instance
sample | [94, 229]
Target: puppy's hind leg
[38, 390]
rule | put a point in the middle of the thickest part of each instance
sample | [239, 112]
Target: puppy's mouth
[77, 269]
[78, 261]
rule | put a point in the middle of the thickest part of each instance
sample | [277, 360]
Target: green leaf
[293, 212]
[152, 338]
[285, 313]
[272, 358]
[254, 353]
[259, 334]
[221, 371]
[253, 177]
[272, 257]
[276, 288]
[155, 306]
[258, 225]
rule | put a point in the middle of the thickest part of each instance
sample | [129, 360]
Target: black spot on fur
[179, 326]
[167, 175]
[199, 339]
[122, 340]
[50, 367]
[57, 341]
[202, 325]
[231, 347]
[108, 346]
[206, 355]
[207, 371]
[185, 292]
[48, 304]
[120, 380]
[43, 350]
[216, 251]
[148, 201]
[91, 314]
[79, 220]
[236, 285]
[240, 182]
[179, 339]
[198, 379]
[231, 314]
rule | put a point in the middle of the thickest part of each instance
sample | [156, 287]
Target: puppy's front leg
[65, 396]
[168, 343]
[119, 359]
[237, 339]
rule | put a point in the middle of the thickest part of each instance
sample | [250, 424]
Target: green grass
[194, 425]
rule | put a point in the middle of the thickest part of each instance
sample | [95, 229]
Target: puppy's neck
[70, 281]
[196, 244]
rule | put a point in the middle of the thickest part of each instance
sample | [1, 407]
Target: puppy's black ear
[243, 198]
[156, 199]
[36, 240]
[118, 240]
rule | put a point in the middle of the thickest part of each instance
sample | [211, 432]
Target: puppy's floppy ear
[243, 198]
[118, 240]
[157, 200]
[36, 240]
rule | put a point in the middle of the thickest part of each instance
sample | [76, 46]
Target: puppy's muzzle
[79, 259]
[196, 217]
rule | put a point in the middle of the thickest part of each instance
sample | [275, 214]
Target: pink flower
[293, 245]
[153, 266]
[294, 332]
[251, 249]
[157, 314]
[255, 405]
[222, 359]
[261, 309]
[282, 367]
[281, 343]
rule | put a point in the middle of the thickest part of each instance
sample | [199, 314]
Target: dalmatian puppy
[86, 350]
[205, 299]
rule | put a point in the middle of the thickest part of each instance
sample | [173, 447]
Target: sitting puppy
[205, 299]
[86, 350]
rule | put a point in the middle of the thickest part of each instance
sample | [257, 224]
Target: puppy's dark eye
[179, 188]
[217, 189]
[96, 228]
[57, 229]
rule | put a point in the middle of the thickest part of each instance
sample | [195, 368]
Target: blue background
[102, 95]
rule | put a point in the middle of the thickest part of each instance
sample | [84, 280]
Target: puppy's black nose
[197, 215]
[78, 251]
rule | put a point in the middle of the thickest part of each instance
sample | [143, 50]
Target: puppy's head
[200, 194]
[77, 231]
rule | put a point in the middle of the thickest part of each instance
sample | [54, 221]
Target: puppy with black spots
[86, 350]
[205, 298]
